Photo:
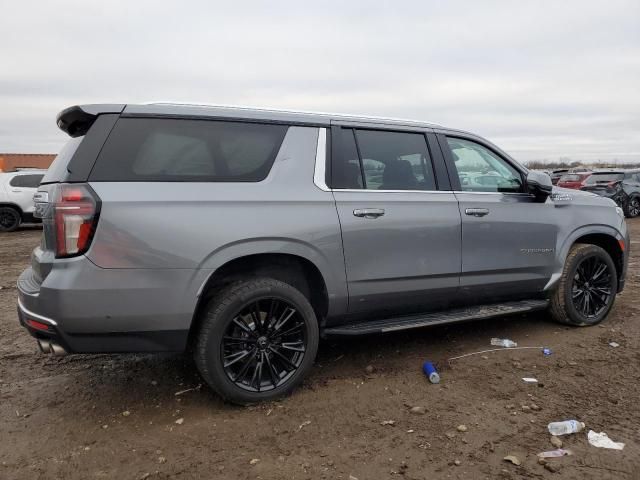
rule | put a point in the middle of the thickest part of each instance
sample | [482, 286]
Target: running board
[437, 318]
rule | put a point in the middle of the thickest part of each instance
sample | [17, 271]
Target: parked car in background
[556, 174]
[315, 225]
[16, 197]
[573, 180]
[621, 186]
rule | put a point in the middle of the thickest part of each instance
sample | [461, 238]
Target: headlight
[620, 212]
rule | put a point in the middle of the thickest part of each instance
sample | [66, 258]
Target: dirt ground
[82, 417]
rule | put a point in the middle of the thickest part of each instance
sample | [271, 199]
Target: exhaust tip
[47, 346]
[57, 350]
[44, 345]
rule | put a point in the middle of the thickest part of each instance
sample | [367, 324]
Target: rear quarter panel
[201, 226]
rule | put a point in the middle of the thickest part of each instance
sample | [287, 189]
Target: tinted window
[570, 178]
[169, 150]
[345, 169]
[603, 178]
[26, 181]
[481, 170]
[395, 160]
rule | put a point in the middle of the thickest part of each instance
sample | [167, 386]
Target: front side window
[383, 160]
[26, 181]
[169, 150]
[481, 170]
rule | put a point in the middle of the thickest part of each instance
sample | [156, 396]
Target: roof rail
[280, 110]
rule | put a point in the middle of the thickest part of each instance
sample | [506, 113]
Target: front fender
[569, 240]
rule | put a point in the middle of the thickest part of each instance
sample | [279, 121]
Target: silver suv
[246, 235]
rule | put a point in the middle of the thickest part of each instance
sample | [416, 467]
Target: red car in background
[573, 180]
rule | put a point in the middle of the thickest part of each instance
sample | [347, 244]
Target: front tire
[258, 339]
[632, 207]
[587, 288]
[9, 219]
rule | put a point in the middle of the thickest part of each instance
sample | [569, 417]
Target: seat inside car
[398, 175]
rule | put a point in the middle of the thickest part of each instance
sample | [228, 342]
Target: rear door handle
[368, 212]
[477, 212]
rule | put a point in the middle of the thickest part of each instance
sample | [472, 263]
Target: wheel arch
[289, 265]
[605, 237]
[15, 206]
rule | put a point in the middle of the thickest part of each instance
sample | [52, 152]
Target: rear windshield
[603, 177]
[174, 150]
[570, 178]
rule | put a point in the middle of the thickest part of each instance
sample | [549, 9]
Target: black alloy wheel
[591, 290]
[257, 340]
[587, 288]
[264, 344]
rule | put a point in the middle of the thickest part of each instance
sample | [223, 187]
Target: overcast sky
[542, 79]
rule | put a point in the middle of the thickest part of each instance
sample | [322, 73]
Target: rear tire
[587, 289]
[9, 219]
[258, 339]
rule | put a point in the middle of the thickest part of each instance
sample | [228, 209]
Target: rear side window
[26, 181]
[347, 173]
[173, 150]
[383, 160]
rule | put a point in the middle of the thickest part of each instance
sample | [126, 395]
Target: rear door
[508, 239]
[400, 222]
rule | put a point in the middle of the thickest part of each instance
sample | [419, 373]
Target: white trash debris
[560, 452]
[529, 380]
[614, 344]
[602, 440]
[512, 459]
[503, 342]
[566, 427]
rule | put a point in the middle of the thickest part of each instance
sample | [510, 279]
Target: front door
[508, 238]
[401, 233]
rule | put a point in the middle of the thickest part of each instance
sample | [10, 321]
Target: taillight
[75, 212]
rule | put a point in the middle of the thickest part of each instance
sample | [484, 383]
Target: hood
[580, 197]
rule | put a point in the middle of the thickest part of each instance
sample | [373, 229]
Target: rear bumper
[123, 342]
[87, 309]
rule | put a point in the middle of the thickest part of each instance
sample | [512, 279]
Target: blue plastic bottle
[430, 372]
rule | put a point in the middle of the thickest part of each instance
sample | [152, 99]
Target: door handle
[368, 212]
[477, 212]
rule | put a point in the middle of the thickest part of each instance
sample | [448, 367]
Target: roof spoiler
[76, 120]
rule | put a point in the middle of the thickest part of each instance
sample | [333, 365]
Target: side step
[437, 318]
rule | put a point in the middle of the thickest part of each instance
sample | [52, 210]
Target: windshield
[603, 178]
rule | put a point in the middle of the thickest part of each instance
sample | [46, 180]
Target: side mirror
[539, 184]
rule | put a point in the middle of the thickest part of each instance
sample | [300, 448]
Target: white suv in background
[16, 197]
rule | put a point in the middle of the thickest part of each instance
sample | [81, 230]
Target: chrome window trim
[364, 190]
[522, 194]
[35, 316]
[320, 169]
